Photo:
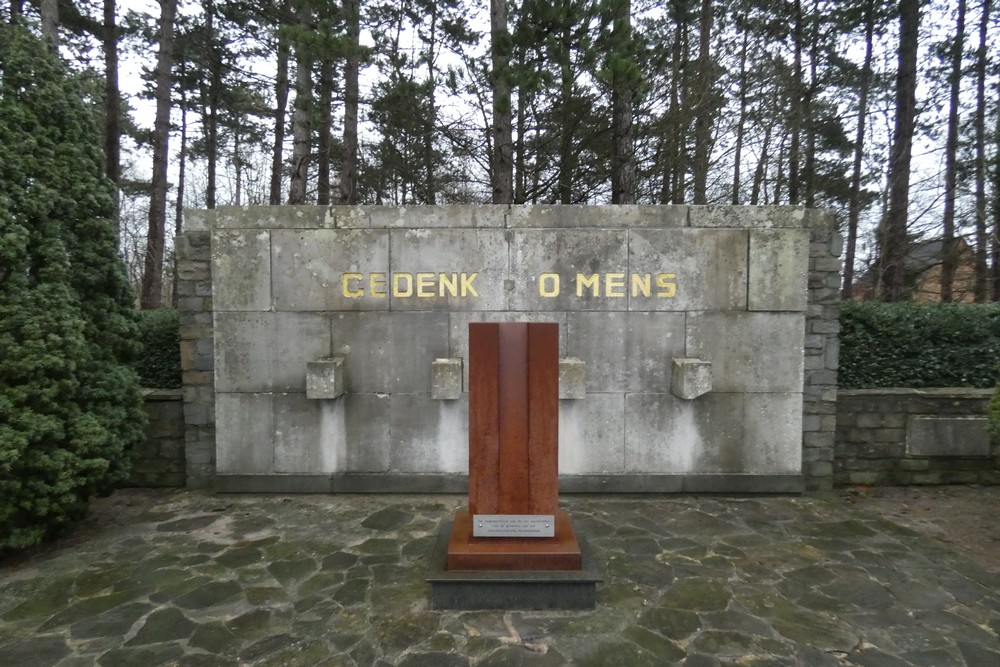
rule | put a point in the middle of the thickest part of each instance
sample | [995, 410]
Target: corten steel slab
[469, 553]
[511, 589]
[513, 418]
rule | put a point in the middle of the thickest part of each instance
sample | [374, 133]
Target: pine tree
[70, 408]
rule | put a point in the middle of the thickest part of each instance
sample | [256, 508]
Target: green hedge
[918, 345]
[159, 366]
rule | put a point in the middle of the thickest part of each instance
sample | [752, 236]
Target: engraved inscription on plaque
[513, 525]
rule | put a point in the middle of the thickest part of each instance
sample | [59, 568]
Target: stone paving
[339, 580]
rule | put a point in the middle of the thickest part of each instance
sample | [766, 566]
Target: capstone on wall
[339, 342]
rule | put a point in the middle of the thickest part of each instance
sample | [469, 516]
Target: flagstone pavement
[311, 580]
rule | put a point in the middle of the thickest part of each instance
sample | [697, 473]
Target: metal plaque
[514, 525]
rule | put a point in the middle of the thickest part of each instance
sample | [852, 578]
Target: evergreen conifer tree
[70, 408]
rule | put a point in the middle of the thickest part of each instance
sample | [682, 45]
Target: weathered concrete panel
[550, 270]
[947, 436]
[448, 269]
[421, 216]
[709, 268]
[773, 425]
[626, 351]
[330, 269]
[779, 262]
[752, 352]
[428, 435]
[747, 217]
[241, 269]
[350, 434]
[592, 435]
[267, 351]
[560, 216]
[390, 352]
[244, 431]
[665, 434]
[273, 217]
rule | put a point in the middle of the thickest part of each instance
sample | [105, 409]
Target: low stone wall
[914, 436]
[160, 461]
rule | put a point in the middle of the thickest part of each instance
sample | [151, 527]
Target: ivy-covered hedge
[159, 365]
[918, 345]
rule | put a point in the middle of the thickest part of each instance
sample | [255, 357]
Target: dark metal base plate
[523, 589]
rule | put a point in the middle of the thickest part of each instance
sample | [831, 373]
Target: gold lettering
[376, 284]
[593, 282]
[466, 286]
[666, 284]
[548, 284]
[449, 284]
[640, 284]
[349, 291]
[397, 280]
[614, 284]
[425, 285]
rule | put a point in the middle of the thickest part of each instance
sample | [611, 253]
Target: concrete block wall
[914, 436]
[159, 460]
[266, 291]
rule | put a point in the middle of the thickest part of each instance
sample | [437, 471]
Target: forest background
[885, 112]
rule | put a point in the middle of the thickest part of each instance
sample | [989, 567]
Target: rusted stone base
[468, 553]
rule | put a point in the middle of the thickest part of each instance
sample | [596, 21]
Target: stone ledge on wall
[914, 436]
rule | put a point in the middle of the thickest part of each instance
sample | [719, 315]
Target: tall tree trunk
[809, 166]
[502, 162]
[706, 104]
[521, 176]
[567, 156]
[430, 186]
[673, 142]
[795, 117]
[982, 289]
[622, 93]
[324, 138]
[894, 246]
[112, 106]
[181, 172]
[759, 171]
[112, 96]
[281, 104]
[237, 167]
[210, 106]
[301, 135]
[995, 255]
[16, 11]
[949, 258]
[741, 123]
[152, 273]
[352, 67]
[50, 20]
[854, 202]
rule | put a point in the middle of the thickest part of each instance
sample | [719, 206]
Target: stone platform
[324, 580]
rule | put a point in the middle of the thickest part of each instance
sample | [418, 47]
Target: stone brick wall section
[194, 289]
[914, 436]
[159, 460]
[822, 351]
[194, 250]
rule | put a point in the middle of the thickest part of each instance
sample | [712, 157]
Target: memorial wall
[338, 344]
